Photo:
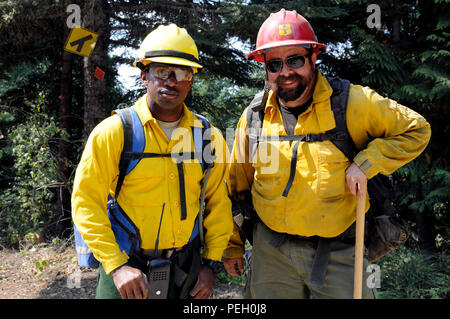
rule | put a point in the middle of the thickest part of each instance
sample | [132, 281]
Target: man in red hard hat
[292, 162]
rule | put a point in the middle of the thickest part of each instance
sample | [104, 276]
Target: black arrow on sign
[80, 42]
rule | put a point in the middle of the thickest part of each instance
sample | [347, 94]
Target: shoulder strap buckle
[313, 138]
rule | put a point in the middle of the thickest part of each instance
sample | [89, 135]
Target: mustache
[290, 94]
[168, 90]
[292, 77]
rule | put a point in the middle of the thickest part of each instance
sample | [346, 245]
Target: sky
[127, 72]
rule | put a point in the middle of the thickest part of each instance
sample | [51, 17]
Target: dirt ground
[48, 271]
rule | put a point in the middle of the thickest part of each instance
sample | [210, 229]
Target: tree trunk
[425, 227]
[396, 16]
[95, 19]
[396, 29]
[64, 221]
[64, 148]
[425, 230]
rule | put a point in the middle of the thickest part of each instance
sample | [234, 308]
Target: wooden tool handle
[359, 245]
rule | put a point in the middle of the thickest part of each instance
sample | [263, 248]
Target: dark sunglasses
[294, 62]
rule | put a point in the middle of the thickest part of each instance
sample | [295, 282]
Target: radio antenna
[159, 229]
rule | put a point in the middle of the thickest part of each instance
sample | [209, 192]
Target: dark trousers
[285, 272]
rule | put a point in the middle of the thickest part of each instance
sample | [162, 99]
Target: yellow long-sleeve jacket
[151, 183]
[387, 134]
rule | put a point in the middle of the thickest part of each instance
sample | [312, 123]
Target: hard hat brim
[258, 55]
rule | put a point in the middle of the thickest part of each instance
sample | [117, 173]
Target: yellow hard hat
[168, 44]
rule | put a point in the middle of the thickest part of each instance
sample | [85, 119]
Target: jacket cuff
[114, 263]
[234, 252]
[365, 165]
[212, 254]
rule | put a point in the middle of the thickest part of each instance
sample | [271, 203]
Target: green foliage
[433, 183]
[26, 205]
[41, 265]
[223, 276]
[429, 81]
[425, 190]
[221, 101]
[381, 67]
[411, 273]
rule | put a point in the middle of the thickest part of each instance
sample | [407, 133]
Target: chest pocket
[146, 180]
[332, 164]
[148, 168]
[271, 164]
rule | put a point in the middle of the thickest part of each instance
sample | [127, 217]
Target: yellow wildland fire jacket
[387, 134]
[153, 182]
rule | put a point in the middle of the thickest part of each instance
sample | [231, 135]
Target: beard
[293, 94]
[290, 94]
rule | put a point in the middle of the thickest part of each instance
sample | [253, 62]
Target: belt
[167, 253]
[322, 255]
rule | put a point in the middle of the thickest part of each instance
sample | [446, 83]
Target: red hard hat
[284, 28]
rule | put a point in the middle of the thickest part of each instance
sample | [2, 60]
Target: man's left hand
[205, 283]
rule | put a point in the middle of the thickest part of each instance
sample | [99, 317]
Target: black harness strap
[137, 156]
[293, 169]
[277, 239]
[301, 138]
[182, 190]
[320, 263]
[176, 156]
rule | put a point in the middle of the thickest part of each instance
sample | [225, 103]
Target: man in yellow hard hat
[147, 240]
[303, 151]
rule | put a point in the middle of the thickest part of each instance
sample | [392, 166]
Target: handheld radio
[158, 272]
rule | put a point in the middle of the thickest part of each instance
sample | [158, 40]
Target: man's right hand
[130, 282]
[234, 266]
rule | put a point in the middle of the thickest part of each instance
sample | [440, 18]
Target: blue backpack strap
[126, 233]
[202, 142]
[195, 230]
[134, 142]
[197, 136]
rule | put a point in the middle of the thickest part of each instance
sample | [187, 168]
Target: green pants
[105, 286]
[106, 289]
[285, 272]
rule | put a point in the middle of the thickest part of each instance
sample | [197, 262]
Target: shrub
[26, 204]
[414, 274]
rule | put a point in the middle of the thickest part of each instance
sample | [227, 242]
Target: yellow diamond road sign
[81, 41]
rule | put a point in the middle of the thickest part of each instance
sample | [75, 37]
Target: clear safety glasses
[163, 72]
[294, 62]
